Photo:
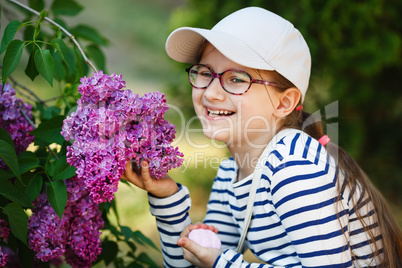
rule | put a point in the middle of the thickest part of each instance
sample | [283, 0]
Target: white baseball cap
[252, 37]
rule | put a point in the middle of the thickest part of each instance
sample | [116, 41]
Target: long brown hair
[390, 244]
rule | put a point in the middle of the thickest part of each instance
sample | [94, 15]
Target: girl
[288, 194]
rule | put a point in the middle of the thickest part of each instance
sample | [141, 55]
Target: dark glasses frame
[219, 75]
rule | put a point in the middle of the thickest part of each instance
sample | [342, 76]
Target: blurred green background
[357, 66]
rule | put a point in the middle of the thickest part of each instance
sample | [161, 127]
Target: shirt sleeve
[172, 217]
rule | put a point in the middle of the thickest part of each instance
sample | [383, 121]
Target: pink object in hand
[205, 238]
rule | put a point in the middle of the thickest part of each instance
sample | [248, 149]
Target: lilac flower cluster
[12, 120]
[111, 126]
[76, 235]
[3, 258]
[4, 232]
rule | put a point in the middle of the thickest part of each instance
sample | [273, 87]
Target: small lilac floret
[113, 125]
[13, 121]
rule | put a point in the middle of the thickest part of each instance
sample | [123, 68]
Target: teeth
[218, 112]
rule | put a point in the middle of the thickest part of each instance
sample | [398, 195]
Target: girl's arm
[169, 203]
[172, 217]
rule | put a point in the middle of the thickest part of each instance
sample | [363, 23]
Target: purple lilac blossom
[12, 120]
[4, 232]
[113, 125]
[3, 258]
[75, 236]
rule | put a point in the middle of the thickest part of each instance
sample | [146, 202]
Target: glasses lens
[200, 76]
[236, 82]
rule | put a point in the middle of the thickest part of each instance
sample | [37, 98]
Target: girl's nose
[215, 91]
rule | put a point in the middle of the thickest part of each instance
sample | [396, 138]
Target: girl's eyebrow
[238, 68]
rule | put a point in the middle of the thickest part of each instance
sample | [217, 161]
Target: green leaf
[66, 7]
[59, 69]
[9, 191]
[9, 33]
[47, 113]
[95, 53]
[132, 246]
[109, 251]
[62, 169]
[144, 258]
[18, 221]
[12, 57]
[5, 175]
[81, 68]
[42, 15]
[44, 64]
[9, 156]
[65, 53]
[49, 131]
[89, 33]
[34, 187]
[37, 4]
[127, 232]
[27, 163]
[31, 70]
[28, 37]
[140, 237]
[4, 135]
[57, 196]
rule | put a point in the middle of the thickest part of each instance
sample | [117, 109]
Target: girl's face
[237, 120]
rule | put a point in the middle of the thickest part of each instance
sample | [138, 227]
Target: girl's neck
[246, 156]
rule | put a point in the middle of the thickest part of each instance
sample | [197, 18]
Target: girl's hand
[194, 253]
[161, 188]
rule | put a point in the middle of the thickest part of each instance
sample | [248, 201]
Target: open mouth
[215, 113]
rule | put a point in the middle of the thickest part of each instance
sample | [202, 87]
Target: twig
[27, 90]
[33, 125]
[87, 61]
[26, 96]
[52, 99]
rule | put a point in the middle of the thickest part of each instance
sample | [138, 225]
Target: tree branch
[16, 84]
[87, 61]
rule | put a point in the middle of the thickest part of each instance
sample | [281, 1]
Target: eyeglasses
[233, 81]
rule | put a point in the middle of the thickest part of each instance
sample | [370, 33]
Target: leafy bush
[46, 213]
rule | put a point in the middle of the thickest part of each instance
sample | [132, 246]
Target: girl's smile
[235, 119]
[216, 113]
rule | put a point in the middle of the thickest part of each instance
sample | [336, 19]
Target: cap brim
[184, 45]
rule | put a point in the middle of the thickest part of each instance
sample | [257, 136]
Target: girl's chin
[217, 135]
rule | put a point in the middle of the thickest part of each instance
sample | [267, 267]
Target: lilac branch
[16, 84]
[87, 61]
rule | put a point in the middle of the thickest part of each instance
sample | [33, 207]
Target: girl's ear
[288, 100]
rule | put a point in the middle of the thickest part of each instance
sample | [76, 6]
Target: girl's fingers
[131, 176]
[146, 177]
[188, 245]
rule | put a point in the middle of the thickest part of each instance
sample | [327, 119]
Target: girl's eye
[237, 80]
[205, 74]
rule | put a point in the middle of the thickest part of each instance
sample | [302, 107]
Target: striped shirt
[294, 221]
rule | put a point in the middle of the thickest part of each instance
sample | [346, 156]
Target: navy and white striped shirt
[294, 221]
